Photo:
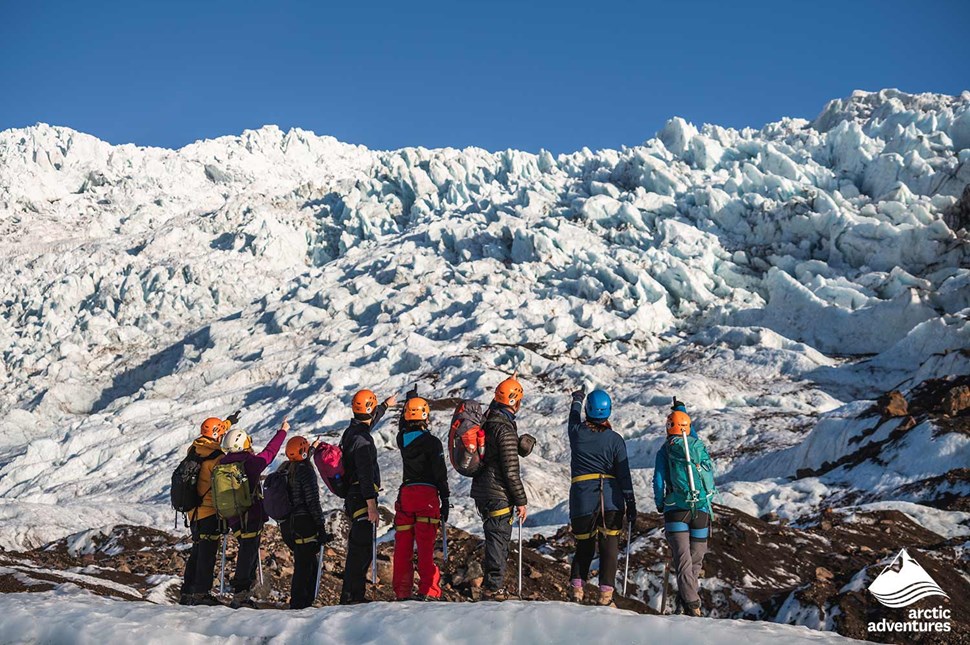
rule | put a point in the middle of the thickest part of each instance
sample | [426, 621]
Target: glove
[322, 535]
[580, 394]
[234, 417]
[526, 443]
[660, 509]
[631, 510]
[445, 506]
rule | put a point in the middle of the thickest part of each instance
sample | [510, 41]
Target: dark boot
[203, 599]
[693, 609]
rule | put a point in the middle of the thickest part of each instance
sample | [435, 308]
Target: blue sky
[556, 75]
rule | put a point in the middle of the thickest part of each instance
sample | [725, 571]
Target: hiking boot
[498, 595]
[242, 599]
[355, 600]
[693, 609]
[203, 599]
[606, 598]
[185, 599]
[576, 594]
[427, 598]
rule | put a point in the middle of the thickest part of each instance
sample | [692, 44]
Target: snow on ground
[73, 616]
[770, 278]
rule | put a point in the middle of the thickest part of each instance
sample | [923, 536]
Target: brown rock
[476, 583]
[825, 525]
[821, 573]
[123, 568]
[866, 549]
[87, 558]
[893, 404]
[956, 400]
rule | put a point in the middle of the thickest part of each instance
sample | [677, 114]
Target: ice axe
[629, 540]
[222, 569]
[316, 589]
[444, 544]
[373, 555]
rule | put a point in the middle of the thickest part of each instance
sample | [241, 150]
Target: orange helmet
[678, 423]
[417, 409]
[509, 392]
[214, 428]
[297, 449]
[364, 402]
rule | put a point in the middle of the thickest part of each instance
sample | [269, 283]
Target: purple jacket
[254, 465]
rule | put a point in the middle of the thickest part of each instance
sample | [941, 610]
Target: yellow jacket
[204, 446]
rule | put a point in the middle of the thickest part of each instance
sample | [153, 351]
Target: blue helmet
[598, 405]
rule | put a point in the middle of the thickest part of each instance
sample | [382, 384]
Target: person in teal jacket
[682, 491]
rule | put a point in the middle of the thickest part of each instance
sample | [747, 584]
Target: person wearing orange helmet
[497, 488]
[683, 487]
[303, 529]
[204, 525]
[422, 501]
[359, 459]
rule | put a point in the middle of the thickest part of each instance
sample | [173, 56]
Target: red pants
[416, 517]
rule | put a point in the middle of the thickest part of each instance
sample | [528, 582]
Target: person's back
[683, 486]
[600, 491]
[422, 501]
[497, 489]
[303, 529]
[248, 526]
[363, 476]
[204, 524]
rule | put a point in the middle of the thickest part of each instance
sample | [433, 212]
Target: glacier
[777, 280]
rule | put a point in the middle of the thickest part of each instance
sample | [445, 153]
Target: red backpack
[466, 439]
[328, 459]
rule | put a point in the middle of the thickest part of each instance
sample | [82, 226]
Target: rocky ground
[756, 569]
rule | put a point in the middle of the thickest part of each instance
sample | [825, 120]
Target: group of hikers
[218, 486]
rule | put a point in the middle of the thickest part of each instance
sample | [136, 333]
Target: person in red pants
[418, 513]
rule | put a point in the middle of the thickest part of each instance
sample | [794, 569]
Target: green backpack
[679, 493]
[230, 490]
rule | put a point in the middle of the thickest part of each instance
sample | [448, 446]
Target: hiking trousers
[201, 565]
[497, 517]
[687, 537]
[359, 545]
[301, 535]
[247, 559]
[416, 519]
[590, 530]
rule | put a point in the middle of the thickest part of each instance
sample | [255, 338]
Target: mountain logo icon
[903, 585]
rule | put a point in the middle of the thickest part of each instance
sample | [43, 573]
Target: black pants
[590, 529]
[200, 568]
[246, 560]
[359, 545]
[498, 534]
[301, 535]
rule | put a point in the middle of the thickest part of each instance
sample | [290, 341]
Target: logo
[902, 586]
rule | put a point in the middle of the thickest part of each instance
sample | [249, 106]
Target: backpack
[230, 490]
[276, 493]
[185, 481]
[330, 464]
[466, 439]
[701, 467]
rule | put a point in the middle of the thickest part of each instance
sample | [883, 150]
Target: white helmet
[236, 440]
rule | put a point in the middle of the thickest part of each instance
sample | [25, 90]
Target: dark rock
[892, 404]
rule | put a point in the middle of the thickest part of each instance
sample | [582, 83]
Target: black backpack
[185, 481]
[276, 492]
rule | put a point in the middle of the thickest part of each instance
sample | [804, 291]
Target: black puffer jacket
[499, 479]
[304, 491]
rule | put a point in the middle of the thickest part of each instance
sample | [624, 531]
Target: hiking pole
[316, 589]
[444, 543]
[373, 555]
[666, 585]
[626, 570]
[222, 569]
[520, 557]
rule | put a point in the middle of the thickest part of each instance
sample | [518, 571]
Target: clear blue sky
[554, 75]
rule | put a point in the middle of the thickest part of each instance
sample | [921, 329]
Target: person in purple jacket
[248, 528]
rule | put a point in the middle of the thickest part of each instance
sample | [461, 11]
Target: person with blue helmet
[600, 492]
[683, 487]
